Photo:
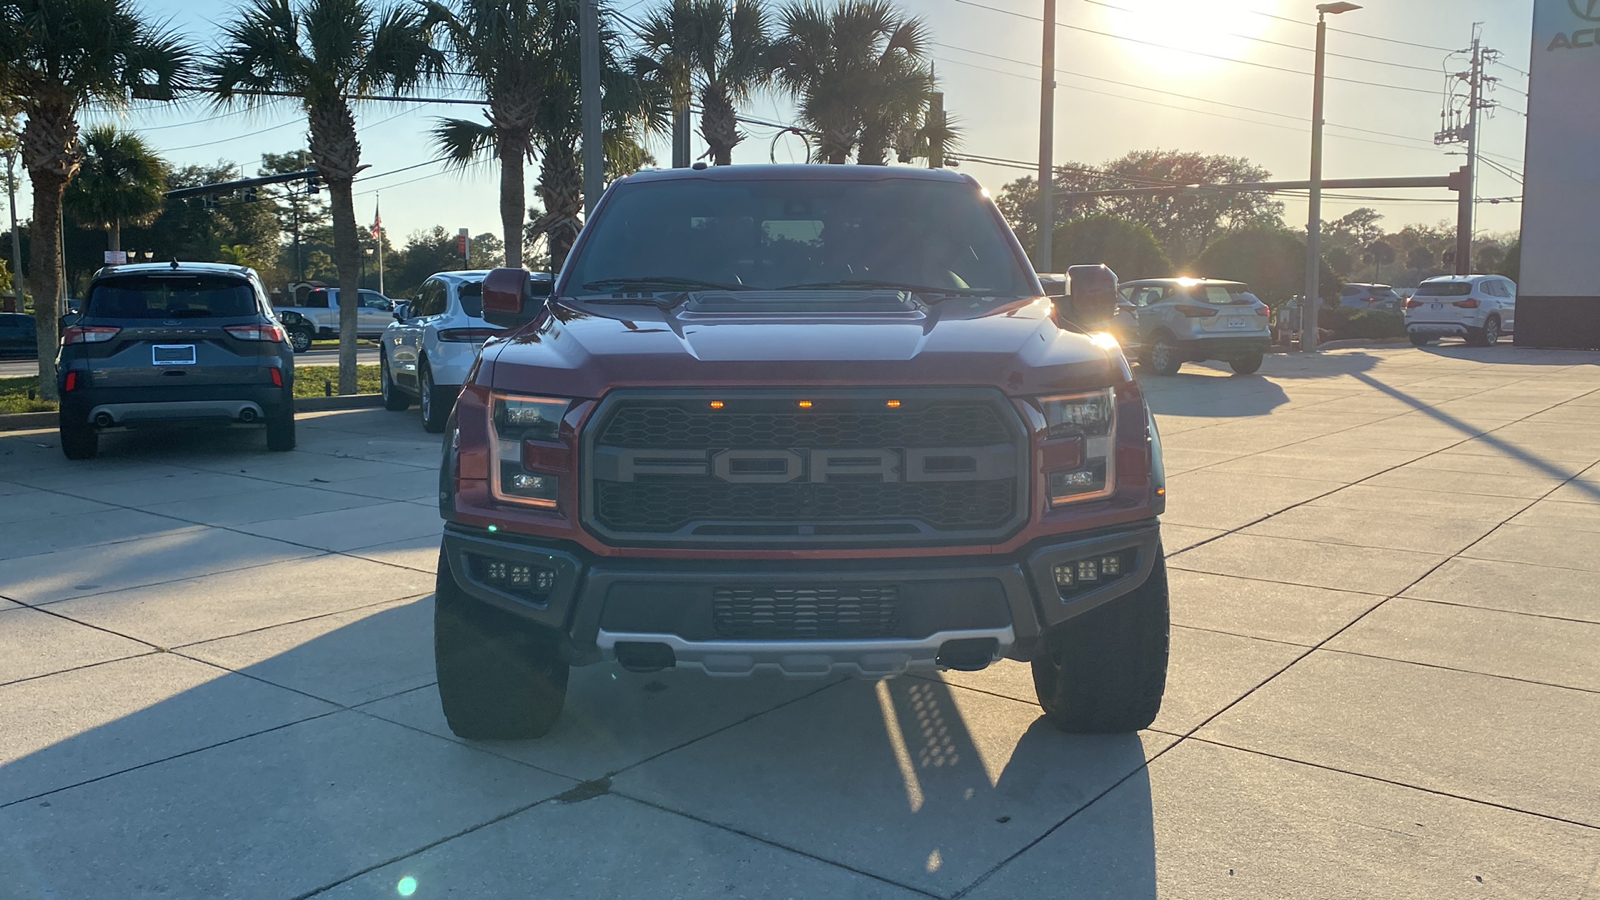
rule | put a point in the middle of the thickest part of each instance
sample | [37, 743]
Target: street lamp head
[1336, 8]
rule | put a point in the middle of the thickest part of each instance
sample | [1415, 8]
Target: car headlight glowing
[1088, 419]
[517, 419]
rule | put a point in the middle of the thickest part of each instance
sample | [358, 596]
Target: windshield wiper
[660, 283]
[891, 285]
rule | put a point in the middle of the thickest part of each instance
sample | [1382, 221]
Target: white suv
[427, 351]
[1479, 308]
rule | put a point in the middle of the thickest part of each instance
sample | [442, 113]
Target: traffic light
[313, 186]
[249, 195]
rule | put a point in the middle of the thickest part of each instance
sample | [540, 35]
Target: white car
[1479, 308]
[426, 353]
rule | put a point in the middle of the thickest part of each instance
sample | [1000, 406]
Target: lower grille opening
[774, 612]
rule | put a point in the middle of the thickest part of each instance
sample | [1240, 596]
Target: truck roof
[802, 172]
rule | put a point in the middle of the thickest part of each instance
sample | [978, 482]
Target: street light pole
[1312, 301]
[594, 160]
[1043, 249]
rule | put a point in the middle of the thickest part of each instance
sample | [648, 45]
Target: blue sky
[1247, 93]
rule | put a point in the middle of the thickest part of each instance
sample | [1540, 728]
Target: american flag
[377, 222]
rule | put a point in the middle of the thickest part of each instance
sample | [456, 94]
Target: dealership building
[1558, 299]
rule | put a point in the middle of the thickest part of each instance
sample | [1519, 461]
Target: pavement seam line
[1390, 781]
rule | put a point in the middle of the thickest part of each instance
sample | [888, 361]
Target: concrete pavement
[216, 681]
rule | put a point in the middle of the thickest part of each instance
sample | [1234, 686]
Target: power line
[1262, 40]
[1141, 87]
[1242, 62]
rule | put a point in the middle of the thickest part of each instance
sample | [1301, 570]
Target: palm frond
[463, 142]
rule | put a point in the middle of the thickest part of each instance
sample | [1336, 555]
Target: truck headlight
[514, 420]
[1087, 422]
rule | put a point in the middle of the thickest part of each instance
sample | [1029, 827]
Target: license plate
[172, 354]
[1438, 306]
[1238, 323]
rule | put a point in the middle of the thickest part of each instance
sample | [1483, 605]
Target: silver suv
[427, 351]
[1479, 308]
[1170, 321]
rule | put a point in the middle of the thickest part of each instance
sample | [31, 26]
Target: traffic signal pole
[1043, 251]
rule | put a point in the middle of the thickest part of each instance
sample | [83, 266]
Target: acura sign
[1558, 299]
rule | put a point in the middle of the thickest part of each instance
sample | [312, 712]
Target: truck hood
[836, 339]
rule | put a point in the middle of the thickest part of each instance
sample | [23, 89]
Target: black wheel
[1249, 365]
[1487, 336]
[436, 401]
[78, 438]
[394, 399]
[299, 339]
[1161, 356]
[1420, 340]
[499, 677]
[280, 430]
[1105, 671]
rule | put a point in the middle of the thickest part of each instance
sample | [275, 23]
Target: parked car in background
[175, 342]
[1479, 308]
[18, 335]
[1369, 296]
[428, 349]
[321, 312]
[301, 330]
[1169, 321]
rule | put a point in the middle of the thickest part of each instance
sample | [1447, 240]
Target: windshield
[470, 293]
[175, 296]
[1445, 289]
[765, 235]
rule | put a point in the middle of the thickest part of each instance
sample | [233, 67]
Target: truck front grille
[841, 612]
[804, 467]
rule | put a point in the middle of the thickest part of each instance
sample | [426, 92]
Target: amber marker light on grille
[717, 404]
[805, 404]
[892, 404]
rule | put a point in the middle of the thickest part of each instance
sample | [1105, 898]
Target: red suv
[811, 419]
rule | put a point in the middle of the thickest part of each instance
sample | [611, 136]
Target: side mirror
[1054, 285]
[70, 319]
[399, 316]
[510, 297]
[1092, 295]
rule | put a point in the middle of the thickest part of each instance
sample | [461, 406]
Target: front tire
[394, 399]
[1420, 340]
[300, 339]
[1105, 671]
[436, 401]
[499, 677]
[1161, 356]
[1249, 365]
[79, 440]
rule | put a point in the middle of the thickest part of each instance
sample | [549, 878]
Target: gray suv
[1170, 321]
[174, 342]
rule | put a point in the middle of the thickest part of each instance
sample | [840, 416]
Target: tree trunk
[347, 259]
[48, 188]
[336, 153]
[513, 197]
[560, 189]
[718, 125]
[50, 154]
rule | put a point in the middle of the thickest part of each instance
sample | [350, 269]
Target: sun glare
[1168, 27]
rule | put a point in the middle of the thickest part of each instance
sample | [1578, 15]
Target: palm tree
[56, 57]
[507, 46]
[122, 182]
[723, 50]
[325, 53]
[632, 106]
[858, 74]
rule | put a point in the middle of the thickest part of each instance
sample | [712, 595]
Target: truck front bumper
[798, 617]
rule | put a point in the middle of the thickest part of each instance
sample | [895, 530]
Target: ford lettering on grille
[759, 467]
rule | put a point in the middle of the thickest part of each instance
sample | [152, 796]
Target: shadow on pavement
[164, 775]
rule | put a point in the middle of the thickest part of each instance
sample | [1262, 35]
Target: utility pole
[1309, 336]
[1456, 128]
[1464, 214]
[936, 128]
[594, 161]
[1043, 249]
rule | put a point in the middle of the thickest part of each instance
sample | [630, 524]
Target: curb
[1362, 343]
[34, 420]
